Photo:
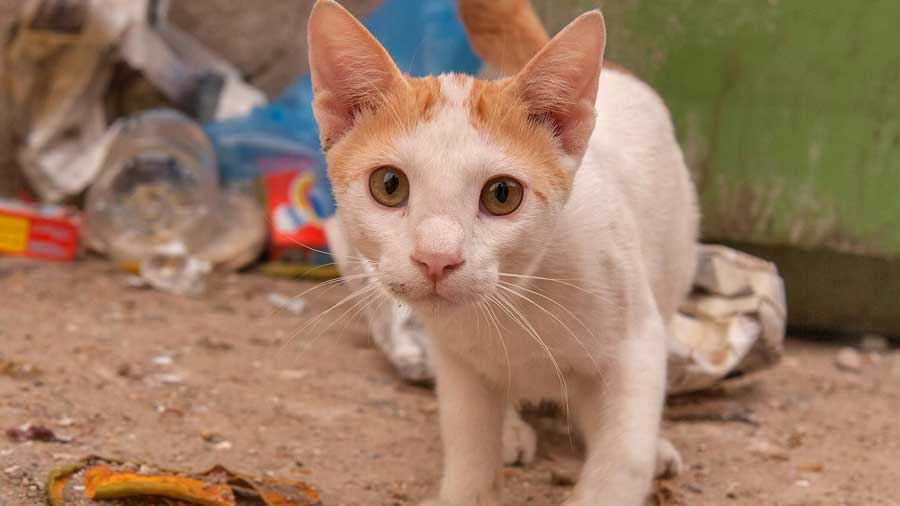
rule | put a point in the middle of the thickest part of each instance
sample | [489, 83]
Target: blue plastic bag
[425, 37]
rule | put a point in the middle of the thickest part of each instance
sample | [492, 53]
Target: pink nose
[436, 265]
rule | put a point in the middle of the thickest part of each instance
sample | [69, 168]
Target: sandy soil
[331, 411]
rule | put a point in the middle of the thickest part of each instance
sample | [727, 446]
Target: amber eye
[501, 195]
[389, 186]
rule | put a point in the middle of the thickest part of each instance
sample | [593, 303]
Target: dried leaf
[103, 483]
[101, 475]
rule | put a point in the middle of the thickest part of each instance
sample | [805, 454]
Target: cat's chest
[532, 345]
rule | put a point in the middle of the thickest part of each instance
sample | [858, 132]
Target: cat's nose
[436, 266]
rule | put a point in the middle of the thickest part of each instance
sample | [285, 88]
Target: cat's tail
[504, 33]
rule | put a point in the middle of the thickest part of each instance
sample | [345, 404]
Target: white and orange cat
[542, 226]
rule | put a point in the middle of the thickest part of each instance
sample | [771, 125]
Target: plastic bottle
[157, 203]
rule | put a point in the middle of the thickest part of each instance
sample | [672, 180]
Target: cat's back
[634, 180]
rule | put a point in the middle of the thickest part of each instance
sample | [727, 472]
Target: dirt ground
[144, 376]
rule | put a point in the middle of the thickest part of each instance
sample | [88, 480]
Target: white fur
[624, 248]
[618, 256]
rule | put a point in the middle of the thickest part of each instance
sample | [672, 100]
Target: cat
[542, 226]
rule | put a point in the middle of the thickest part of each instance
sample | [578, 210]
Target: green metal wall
[788, 110]
[789, 115]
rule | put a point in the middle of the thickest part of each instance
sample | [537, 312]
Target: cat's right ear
[350, 70]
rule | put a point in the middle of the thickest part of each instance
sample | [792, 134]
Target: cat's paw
[668, 460]
[519, 440]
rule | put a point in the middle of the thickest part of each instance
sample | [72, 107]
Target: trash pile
[106, 108]
[140, 144]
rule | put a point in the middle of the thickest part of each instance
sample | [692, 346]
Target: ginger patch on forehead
[495, 110]
[374, 129]
[498, 111]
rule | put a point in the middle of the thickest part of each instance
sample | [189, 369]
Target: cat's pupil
[391, 182]
[501, 192]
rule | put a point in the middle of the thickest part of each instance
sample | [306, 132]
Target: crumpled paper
[732, 323]
[71, 68]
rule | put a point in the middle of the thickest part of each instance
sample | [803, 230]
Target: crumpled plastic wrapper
[71, 67]
[732, 323]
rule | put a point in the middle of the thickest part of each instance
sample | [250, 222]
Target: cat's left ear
[350, 70]
[560, 83]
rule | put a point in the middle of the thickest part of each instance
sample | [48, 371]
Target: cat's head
[446, 183]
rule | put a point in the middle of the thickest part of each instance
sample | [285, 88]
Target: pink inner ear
[560, 82]
[333, 117]
[350, 70]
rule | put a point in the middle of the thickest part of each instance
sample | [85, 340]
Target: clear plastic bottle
[157, 205]
[158, 186]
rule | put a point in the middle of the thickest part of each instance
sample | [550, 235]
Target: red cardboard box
[297, 205]
[44, 232]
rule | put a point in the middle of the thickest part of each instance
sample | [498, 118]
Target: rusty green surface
[788, 111]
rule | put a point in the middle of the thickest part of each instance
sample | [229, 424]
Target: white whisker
[493, 319]
[325, 284]
[517, 316]
[362, 291]
[553, 280]
[584, 348]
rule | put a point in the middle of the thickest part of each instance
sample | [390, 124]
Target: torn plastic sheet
[732, 323]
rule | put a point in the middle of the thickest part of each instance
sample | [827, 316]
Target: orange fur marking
[498, 110]
[374, 128]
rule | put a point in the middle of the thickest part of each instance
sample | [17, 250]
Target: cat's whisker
[334, 264]
[325, 284]
[517, 316]
[359, 306]
[362, 291]
[377, 297]
[568, 329]
[510, 288]
[552, 280]
[359, 303]
[310, 248]
[493, 319]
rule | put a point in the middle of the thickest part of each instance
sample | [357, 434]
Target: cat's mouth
[431, 297]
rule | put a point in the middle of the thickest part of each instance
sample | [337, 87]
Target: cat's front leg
[471, 415]
[620, 417]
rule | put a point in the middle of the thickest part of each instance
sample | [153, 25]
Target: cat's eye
[501, 195]
[389, 186]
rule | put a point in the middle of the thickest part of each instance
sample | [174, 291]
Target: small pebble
[848, 359]
[292, 305]
[292, 374]
[170, 378]
[222, 445]
[768, 450]
[163, 360]
[802, 483]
